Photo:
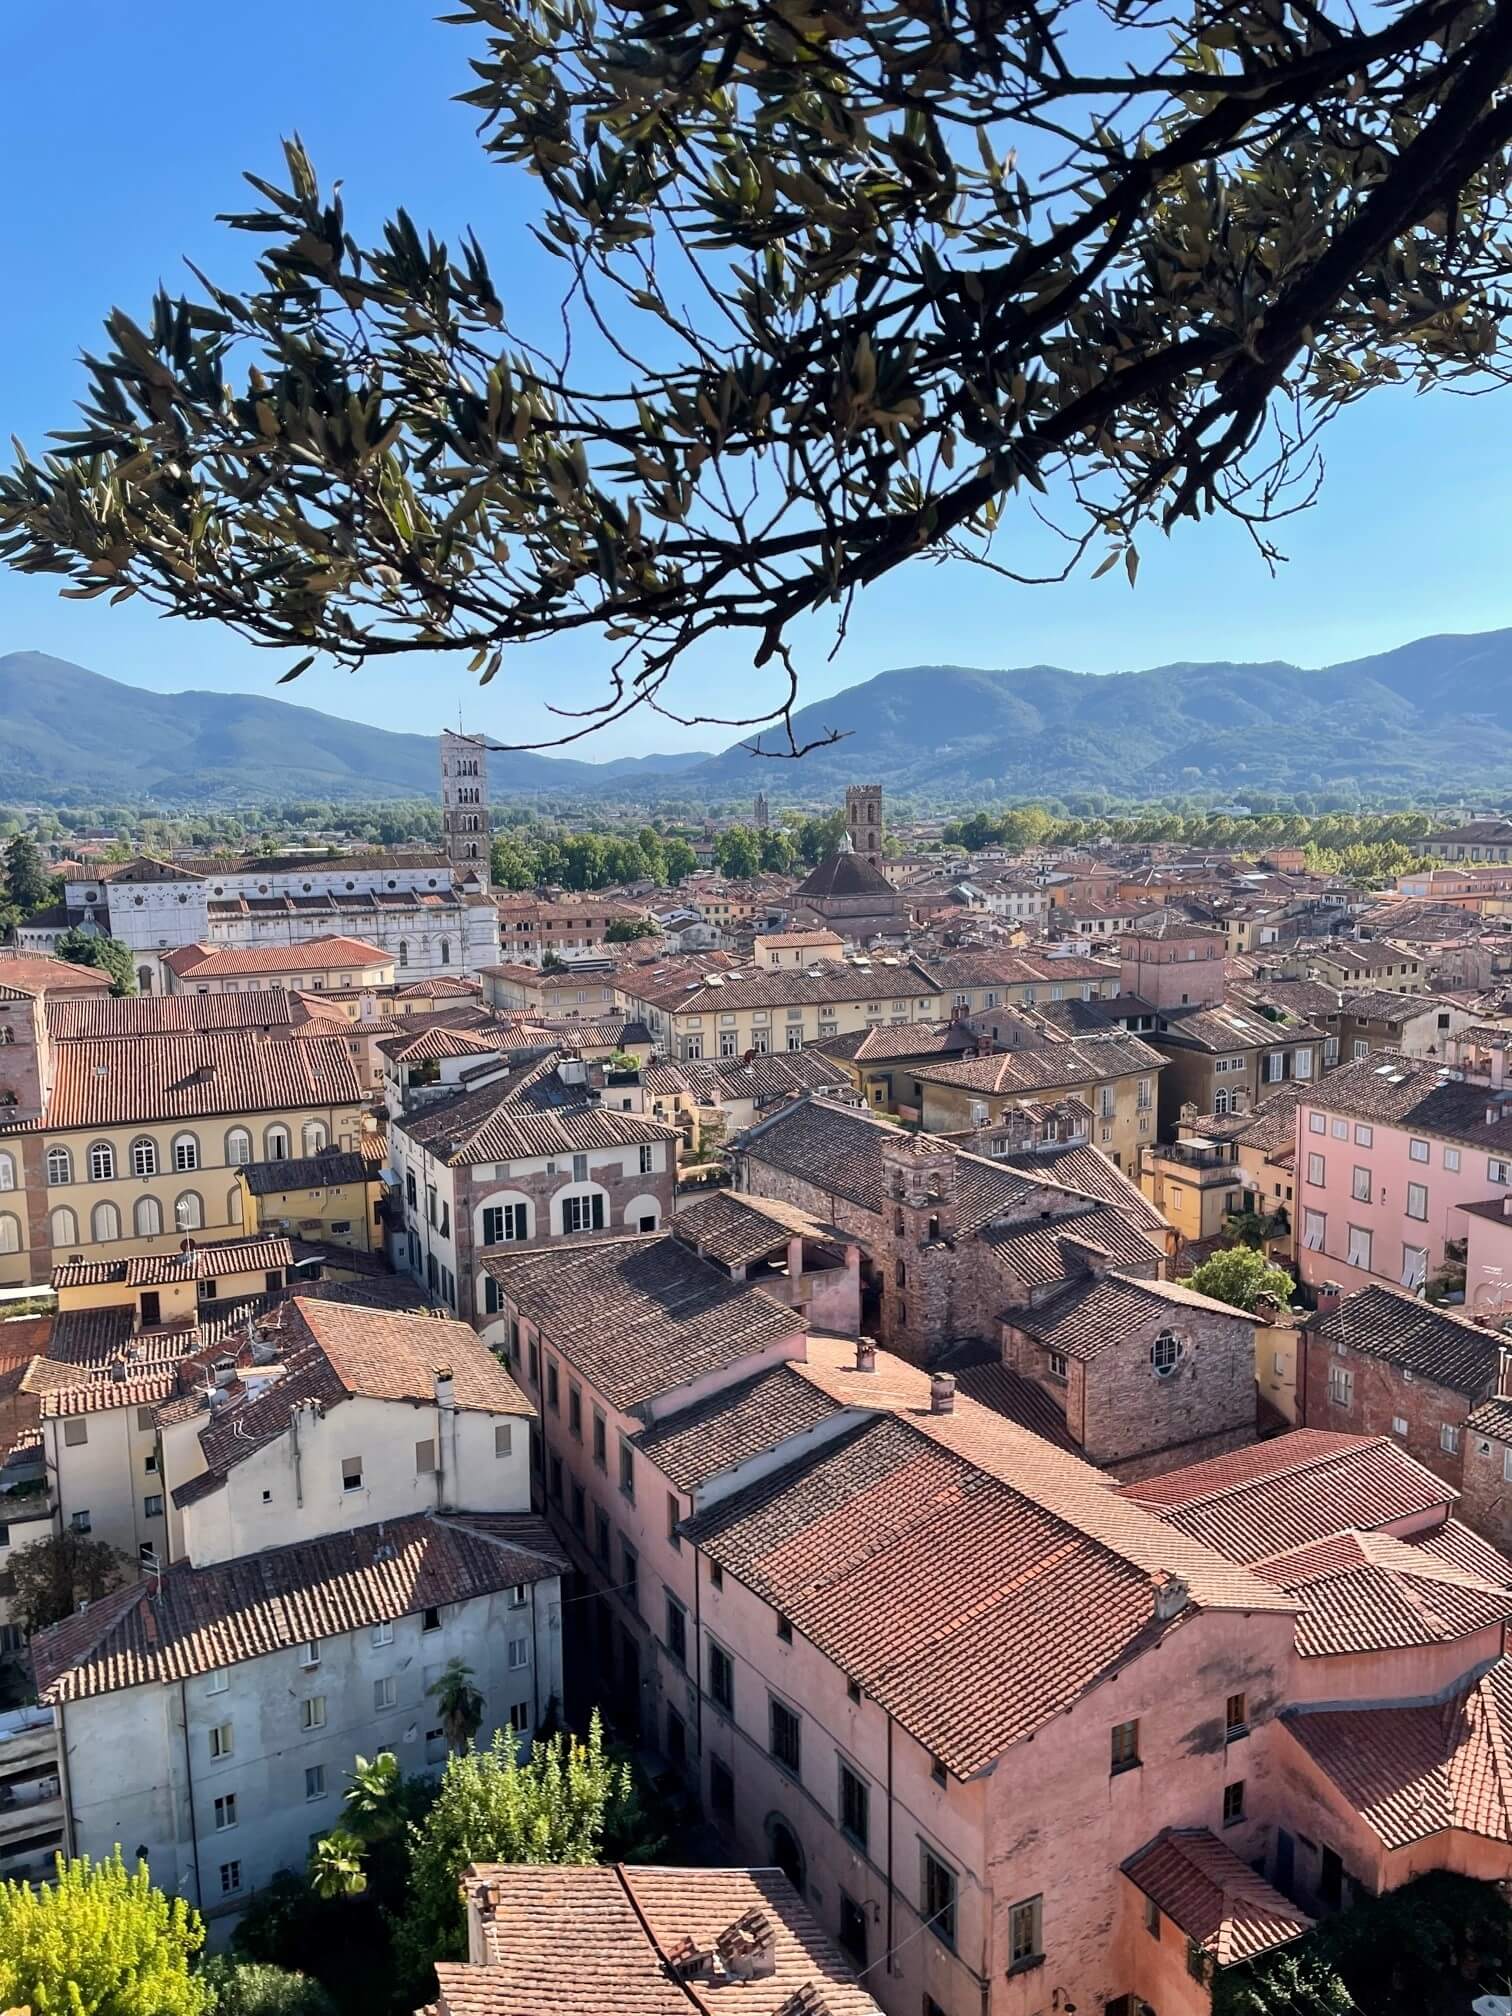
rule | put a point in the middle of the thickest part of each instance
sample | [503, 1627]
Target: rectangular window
[1314, 1225]
[315, 1781]
[230, 1878]
[1339, 1129]
[938, 1897]
[580, 1168]
[1317, 1123]
[381, 1634]
[674, 1513]
[1417, 1150]
[425, 1457]
[574, 1410]
[385, 1691]
[1125, 1746]
[627, 1469]
[519, 1717]
[647, 1161]
[583, 1214]
[1359, 1247]
[503, 1439]
[1449, 1439]
[152, 1505]
[1399, 1424]
[721, 1678]
[1361, 1048]
[1341, 1385]
[1317, 1170]
[225, 1812]
[216, 1682]
[519, 1654]
[1498, 1171]
[1025, 1940]
[630, 1575]
[1507, 1466]
[601, 1534]
[1452, 1160]
[855, 1807]
[312, 1713]
[1417, 1200]
[553, 1387]
[351, 1473]
[1233, 1803]
[786, 1737]
[503, 1222]
[1235, 1715]
[430, 1620]
[222, 1740]
[1330, 1049]
[677, 1631]
[1152, 1917]
[600, 1440]
[75, 1432]
[1360, 1188]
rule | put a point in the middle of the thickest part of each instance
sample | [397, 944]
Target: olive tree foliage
[873, 280]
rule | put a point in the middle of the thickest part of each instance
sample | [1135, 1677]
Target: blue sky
[127, 129]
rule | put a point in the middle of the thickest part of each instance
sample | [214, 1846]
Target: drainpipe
[698, 1656]
[889, 1844]
[65, 1778]
[298, 1465]
[199, 1888]
[446, 1435]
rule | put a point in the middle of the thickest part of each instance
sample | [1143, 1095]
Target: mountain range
[1433, 717]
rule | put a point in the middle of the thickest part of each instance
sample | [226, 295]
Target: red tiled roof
[34, 973]
[201, 1263]
[1089, 1315]
[1215, 1899]
[731, 1426]
[1368, 1592]
[603, 1942]
[105, 1083]
[313, 955]
[640, 1316]
[1283, 1497]
[202, 1618]
[1412, 1772]
[80, 1019]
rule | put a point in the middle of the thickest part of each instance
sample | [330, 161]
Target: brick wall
[1487, 1501]
[1380, 1396]
[474, 1190]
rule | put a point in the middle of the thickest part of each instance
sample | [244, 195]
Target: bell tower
[464, 804]
[863, 821]
[917, 1248]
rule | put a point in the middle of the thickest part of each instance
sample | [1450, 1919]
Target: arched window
[147, 1218]
[446, 951]
[101, 1162]
[313, 1137]
[104, 1224]
[63, 1227]
[188, 1212]
[144, 979]
[404, 951]
[238, 1148]
[59, 1166]
[7, 1172]
[144, 1156]
[10, 1234]
[276, 1144]
[185, 1153]
[234, 1205]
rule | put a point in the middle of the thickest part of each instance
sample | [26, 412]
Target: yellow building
[169, 1290]
[320, 965]
[141, 1141]
[1196, 1183]
[1114, 1076]
[335, 1197]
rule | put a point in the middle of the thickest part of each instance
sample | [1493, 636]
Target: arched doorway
[785, 1850]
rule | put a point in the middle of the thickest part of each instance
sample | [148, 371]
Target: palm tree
[372, 1797]
[460, 1703]
[336, 1865]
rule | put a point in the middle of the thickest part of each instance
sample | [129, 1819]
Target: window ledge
[1120, 1770]
[1027, 1965]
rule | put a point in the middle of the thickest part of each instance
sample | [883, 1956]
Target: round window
[139, 901]
[1165, 1354]
[183, 899]
[351, 885]
[307, 887]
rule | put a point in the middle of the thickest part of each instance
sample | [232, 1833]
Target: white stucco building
[340, 1531]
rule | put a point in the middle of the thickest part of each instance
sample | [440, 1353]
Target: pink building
[1170, 962]
[1389, 1151]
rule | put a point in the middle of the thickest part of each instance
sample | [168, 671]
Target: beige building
[695, 1014]
[319, 966]
[1114, 1076]
[141, 1142]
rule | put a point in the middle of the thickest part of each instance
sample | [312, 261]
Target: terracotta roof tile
[1368, 1592]
[1413, 1336]
[1089, 1316]
[1082, 1060]
[106, 1083]
[202, 1618]
[731, 1426]
[1215, 1899]
[640, 1316]
[128, 1015]
[736, 1229]
[312, 955]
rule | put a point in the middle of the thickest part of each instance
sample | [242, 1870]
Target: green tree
[680, 860]
[777, 851]
[583, 862]
[458, 1703]
[556, 1806]
[109, 955]
[737, 852]
[27, 883]
[512, 864]
[814, 838]
[1239, 1275]
[625, 930]
[50, 1578]
[653, 853]
[99, 1940]
[250, 1988]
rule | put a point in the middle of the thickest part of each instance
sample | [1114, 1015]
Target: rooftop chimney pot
[866, 1349]
[942, 1388]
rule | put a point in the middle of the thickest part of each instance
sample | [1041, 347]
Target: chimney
[445, 1396]
[1171, 1594]
[866, 1347]
[1498, 1054]
[942, 1393]
[1330, 1295]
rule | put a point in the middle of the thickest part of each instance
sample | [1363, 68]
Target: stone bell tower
[464, 804]
[918, 1244]
[863, 821]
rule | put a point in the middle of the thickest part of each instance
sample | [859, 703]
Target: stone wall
[1380, 1398]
